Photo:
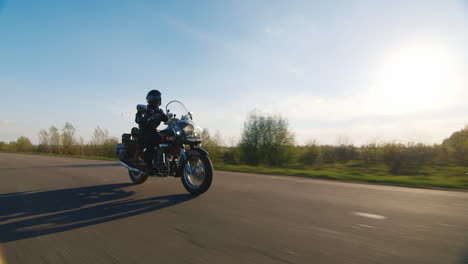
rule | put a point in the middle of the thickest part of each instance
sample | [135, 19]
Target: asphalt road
[61, 210]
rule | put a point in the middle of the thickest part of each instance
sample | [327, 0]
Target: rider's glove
[155, 116]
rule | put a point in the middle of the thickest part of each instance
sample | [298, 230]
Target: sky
[339, 71]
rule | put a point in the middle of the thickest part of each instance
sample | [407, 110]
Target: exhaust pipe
[131, 168]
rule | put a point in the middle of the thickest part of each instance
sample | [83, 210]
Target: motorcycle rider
[148, 121]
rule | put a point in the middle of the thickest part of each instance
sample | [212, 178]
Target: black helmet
[154, 98]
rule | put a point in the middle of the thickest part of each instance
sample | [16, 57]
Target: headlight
[188, 129]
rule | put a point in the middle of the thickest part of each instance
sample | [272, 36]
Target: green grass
[449, 176]
[429, 176]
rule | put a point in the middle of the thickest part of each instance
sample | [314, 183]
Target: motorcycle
[179, 148]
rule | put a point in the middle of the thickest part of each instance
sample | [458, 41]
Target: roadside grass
[451, 176]
[447, 176]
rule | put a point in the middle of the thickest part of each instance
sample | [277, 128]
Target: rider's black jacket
[150, 119]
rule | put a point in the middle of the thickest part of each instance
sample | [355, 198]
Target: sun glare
[414, 78]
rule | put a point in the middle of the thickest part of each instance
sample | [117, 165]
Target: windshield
[176, 109]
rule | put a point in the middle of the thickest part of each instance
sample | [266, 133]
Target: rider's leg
[160, 163]
[160, 158]
[149, 145]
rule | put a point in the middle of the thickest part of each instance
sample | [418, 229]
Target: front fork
[160, 154]
[183, 154]
[184, 157]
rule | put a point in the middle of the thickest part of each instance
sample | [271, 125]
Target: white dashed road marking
[368, 226]
[373, 216]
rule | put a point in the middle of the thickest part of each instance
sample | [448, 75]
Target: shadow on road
[26, 215]
[65, 166]
[465, 258]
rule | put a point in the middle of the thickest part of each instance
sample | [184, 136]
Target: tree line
[267, 140]
[64, 141]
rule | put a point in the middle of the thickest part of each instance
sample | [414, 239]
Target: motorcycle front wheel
[199, 181]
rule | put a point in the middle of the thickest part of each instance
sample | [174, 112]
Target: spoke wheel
[136, 177]
[199, 180]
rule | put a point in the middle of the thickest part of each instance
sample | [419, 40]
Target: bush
[68, 139]
[23, 144]
[328, 154]
[457, 146]
[266, 140]
[407, 158]
[3, 146]
[212, 144]
[371, 153]
[345, 153]
[311, 154]
[231, 156]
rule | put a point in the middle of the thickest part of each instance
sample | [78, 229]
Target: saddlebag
[126, 138]
[127, 149]
[121, 151]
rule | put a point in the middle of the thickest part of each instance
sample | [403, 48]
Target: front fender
[197, 152]
[185, 156]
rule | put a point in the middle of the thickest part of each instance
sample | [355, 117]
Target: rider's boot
[149, 165]
[160, 162]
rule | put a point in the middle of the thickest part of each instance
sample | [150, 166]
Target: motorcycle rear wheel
[136, 177]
